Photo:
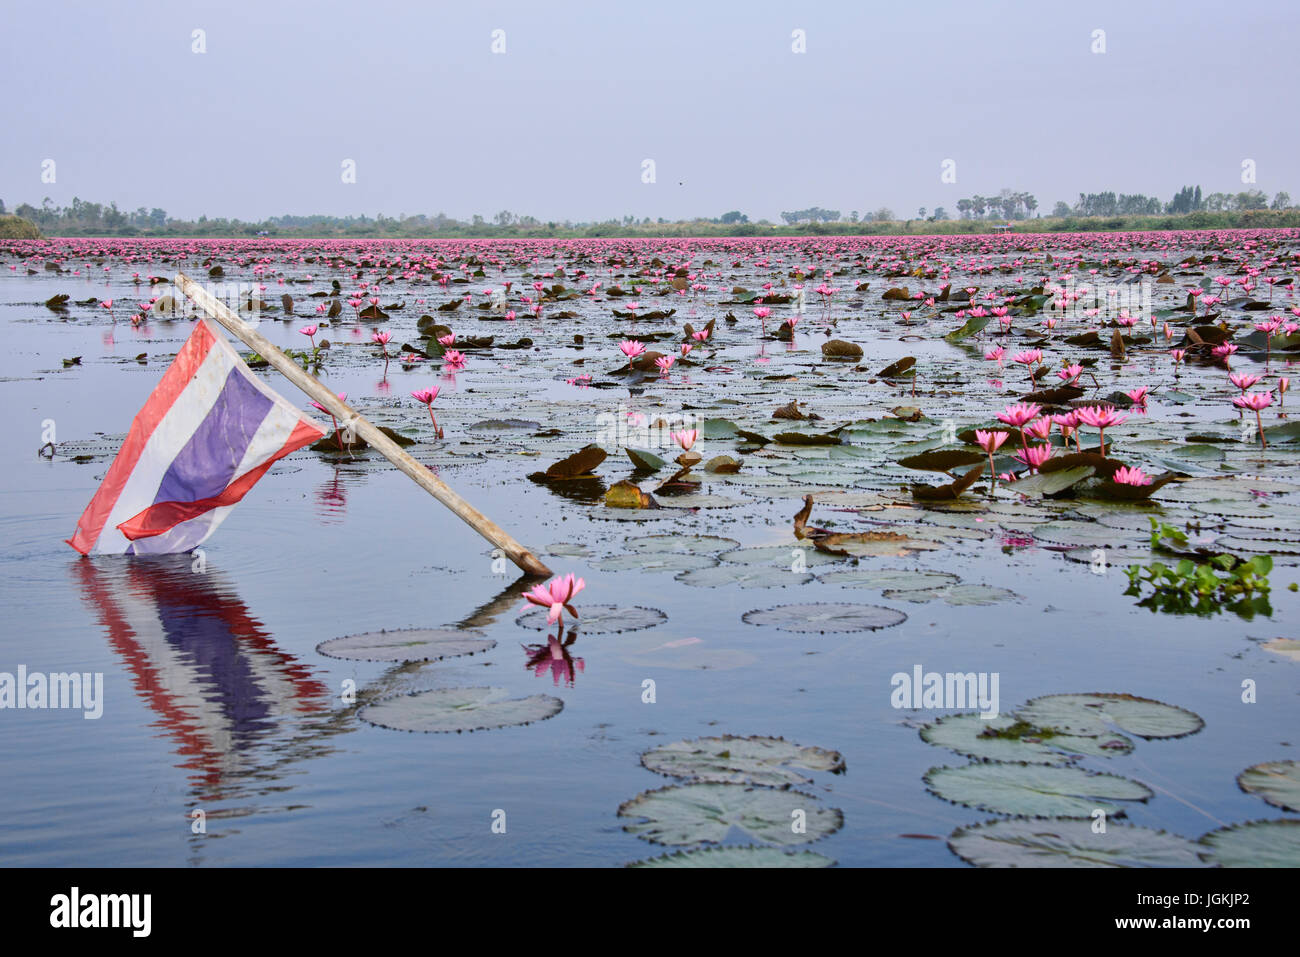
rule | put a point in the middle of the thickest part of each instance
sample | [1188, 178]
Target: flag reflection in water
[235, 705]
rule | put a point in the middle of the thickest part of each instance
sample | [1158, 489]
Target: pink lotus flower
[454, 358]
[990, 441]
[310, 333]
[686, 438]
[1131, 476]
[556, 595]
[700, 336]
[427, 396]
[1020, 413]
[995, 355]
[1034, 456]
[665, 363]
[1178, 355]
[1225, 351]
[1138, 396]
[1256, 401]
[1029, 357]
[447, 340]
[1100, 418]
[631, 348]
[1070, 373]
[1039, 428]
[686, 347]
[343, 397]
[1243, 380]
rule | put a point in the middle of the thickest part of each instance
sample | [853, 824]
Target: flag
[207, 434]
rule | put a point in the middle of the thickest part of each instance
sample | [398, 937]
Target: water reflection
[235, 706]
[331, 500]
[554, 656]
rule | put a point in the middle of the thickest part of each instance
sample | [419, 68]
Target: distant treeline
[1093, 212]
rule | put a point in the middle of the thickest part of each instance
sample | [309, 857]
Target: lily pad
[599, 619]
[1034, 790]
[1254, 844]
[730, 759]
[751, 855]
[882, 578]
[968, 594]
[707, 813]
[1070, 843]
[656, 562]
[1093, 714]
[1277, 782]
[1008, 738]
[826, 617]
[414, 644]
[687, 544]
[459, 709]
[746, 576]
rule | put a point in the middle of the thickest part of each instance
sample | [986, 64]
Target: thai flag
[207, 434]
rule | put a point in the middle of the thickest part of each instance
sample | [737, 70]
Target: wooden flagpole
[367, 430]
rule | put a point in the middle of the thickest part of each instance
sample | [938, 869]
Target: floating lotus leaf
[459, 709]
[882, 578]
[655, 562]
[970, 594]
[784, 555]
[1277, 782]
[686, 544]
[414, 644]
[1093, 714]
[735, 760]
[1008, 738]
[1070, 843]
[567, 550]
[941, 460]
[692, 501]
[695, 813]
[1254, 844]
[750, 855]
[1051, 483]
[628, 495]
[969, 329]
[899, 368]
[598, 619]
[826, 617]
[746, 576]
[577, 465]
[1034, 790]
[839, 349]
[1069, 532]
[645, 461]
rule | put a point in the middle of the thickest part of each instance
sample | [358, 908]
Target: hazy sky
[558, 126]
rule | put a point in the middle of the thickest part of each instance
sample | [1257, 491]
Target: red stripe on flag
[178, 375]
[164, 516]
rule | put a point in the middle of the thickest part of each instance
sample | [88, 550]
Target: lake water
[216, 699]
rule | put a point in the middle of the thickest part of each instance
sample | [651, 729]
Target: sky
[560, 125]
